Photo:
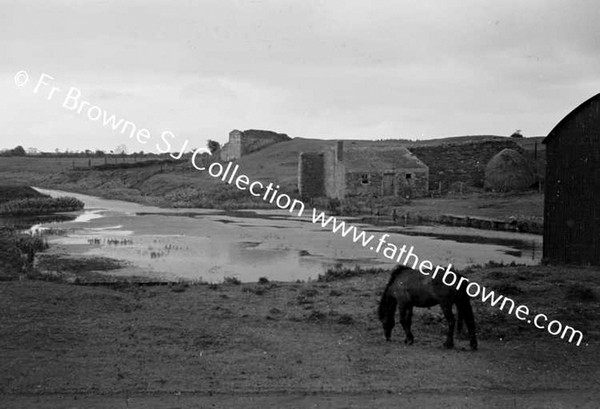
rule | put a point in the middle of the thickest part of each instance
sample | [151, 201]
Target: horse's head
[386, 312]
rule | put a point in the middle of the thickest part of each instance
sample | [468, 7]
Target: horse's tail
[385, 297]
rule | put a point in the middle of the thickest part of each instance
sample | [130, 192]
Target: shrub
[232, 280]
[306, 295]
[30, 245]
[17, 252]
[11, 262]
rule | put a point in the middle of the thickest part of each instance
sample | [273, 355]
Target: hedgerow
[44, 205]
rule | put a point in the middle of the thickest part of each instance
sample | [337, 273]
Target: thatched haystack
[508, 171]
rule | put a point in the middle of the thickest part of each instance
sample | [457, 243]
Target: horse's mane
[384, 298]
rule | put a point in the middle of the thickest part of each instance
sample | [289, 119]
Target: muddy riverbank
[209, 245]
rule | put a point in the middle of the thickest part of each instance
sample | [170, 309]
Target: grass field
[271, 340]
[60, 164]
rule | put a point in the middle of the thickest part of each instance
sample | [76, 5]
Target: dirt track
[425, 400]
[274, 345]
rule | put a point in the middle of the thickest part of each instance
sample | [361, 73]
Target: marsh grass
[341, 273]
[59, 264]
[39, 206]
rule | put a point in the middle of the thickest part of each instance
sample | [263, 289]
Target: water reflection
[525, 246]
[209, 245]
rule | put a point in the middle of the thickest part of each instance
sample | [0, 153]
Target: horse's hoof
[448, 345]
[474, 346]
[388, 339]
[409, 341]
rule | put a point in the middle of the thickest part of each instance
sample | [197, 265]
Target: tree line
[120, 151]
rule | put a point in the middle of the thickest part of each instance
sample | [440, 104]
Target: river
[201, 244]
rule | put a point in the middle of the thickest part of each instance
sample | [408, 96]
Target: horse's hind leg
[447, 309]
[406, 321]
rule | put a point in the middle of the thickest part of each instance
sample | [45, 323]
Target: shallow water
[209, 245]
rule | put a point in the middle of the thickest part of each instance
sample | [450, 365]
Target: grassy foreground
[273, 339]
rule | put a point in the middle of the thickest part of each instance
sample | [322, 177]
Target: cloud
[308, 68]
[109, 94]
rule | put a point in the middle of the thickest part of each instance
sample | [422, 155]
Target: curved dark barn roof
[555, 130]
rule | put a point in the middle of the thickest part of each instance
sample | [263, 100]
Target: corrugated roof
[379, 160]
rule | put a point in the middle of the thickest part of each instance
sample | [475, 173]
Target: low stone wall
[491, 224]
[519, 226]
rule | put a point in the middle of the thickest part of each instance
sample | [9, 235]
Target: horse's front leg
[447, 309]
[406, 321]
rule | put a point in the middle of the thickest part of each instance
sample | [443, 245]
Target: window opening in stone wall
[364, 179]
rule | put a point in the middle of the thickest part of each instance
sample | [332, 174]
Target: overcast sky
[317, 69]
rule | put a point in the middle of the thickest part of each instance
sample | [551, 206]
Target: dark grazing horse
[408, 288]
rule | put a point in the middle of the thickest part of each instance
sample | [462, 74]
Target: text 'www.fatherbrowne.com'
[403, 255]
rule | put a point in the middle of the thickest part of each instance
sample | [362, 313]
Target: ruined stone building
[244, 142]
[572, 197]
[342, 172]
